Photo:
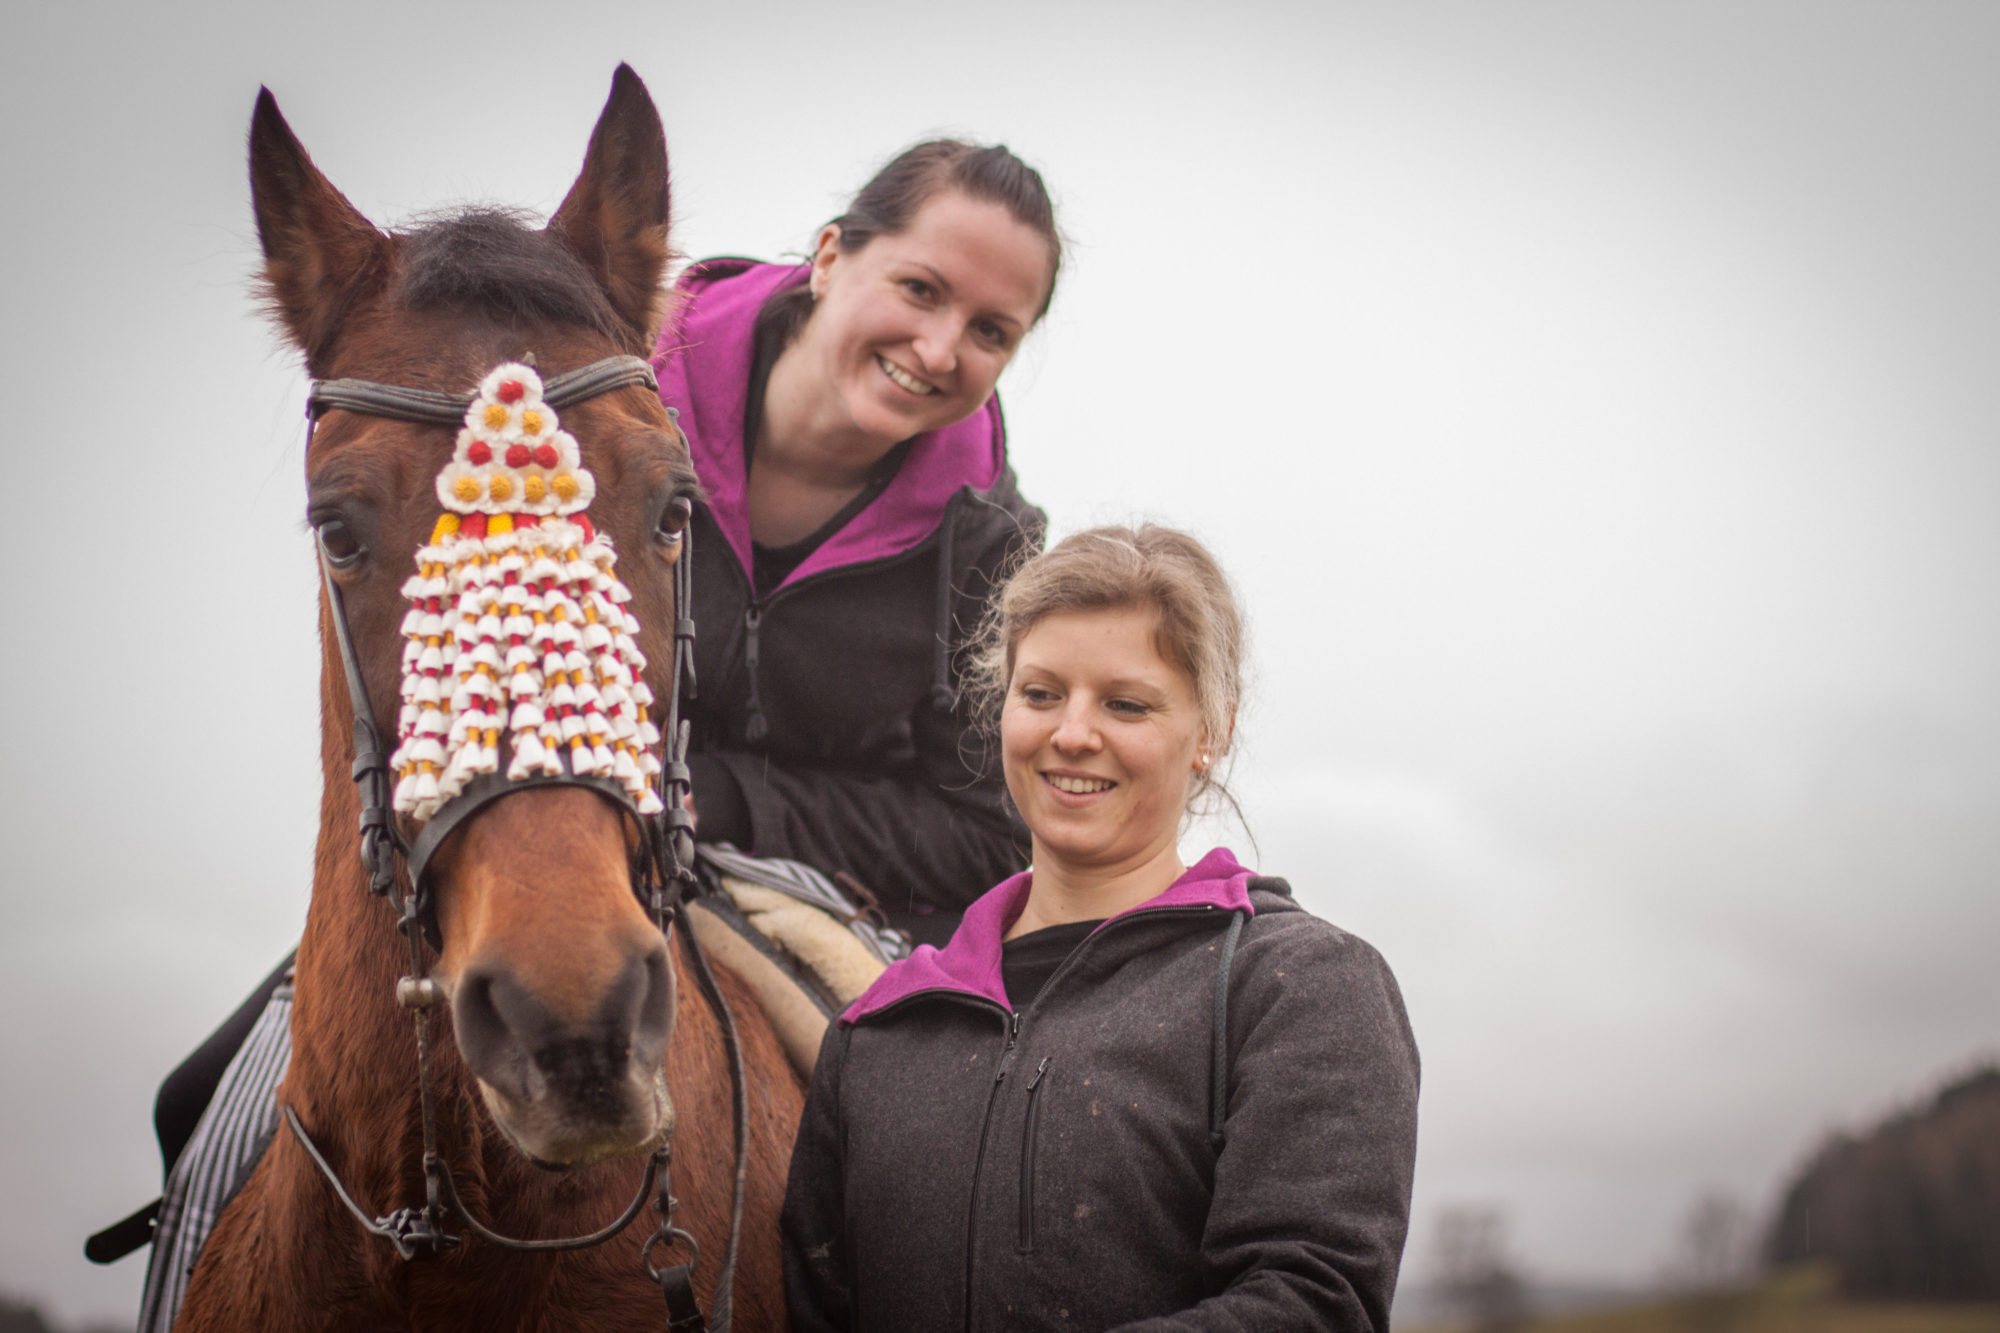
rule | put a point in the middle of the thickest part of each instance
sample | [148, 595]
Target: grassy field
[1801, 1302]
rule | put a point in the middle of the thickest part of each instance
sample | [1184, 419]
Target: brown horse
[561, 993]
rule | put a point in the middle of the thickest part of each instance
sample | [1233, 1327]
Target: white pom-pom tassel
[624, 769]
[528, 755]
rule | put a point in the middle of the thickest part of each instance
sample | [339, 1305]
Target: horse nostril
[495, 1047]
[638, 1010]
[652, 1017]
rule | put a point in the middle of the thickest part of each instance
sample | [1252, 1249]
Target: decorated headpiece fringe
[519, 636]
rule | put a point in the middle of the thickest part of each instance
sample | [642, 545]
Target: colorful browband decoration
[518, 627]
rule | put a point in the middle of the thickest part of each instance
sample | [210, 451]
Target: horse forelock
[495, 261]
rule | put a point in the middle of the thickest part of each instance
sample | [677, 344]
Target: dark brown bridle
[662, 870]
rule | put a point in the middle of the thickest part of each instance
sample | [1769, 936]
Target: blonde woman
[1128, 1091]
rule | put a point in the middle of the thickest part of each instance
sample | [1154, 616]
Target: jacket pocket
[1026, 1243]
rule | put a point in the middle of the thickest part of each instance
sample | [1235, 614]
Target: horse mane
[497, 262]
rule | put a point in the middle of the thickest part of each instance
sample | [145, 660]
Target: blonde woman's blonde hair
[1200, 628]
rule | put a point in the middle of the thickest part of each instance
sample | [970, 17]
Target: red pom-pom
[510, 391]
[518, 455]
[473, 525]
[479, 453]
[589, 528]
[545, 455]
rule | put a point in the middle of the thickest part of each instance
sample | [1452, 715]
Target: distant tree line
[20, 1316]
[1909, 1210]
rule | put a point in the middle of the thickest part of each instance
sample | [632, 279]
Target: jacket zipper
[1027, 1242]
[758, 727]
[979, 1163]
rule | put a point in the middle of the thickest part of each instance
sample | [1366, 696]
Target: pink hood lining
[970, 962]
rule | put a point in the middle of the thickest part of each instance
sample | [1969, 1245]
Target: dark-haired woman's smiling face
[911, 332]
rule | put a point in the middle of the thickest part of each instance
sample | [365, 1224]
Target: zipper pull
[1040, 1070]
[755, 728]
[1007, 1052]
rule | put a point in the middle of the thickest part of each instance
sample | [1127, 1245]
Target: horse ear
[319, 252]
[615, 216]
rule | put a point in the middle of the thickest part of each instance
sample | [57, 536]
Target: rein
[662, 873]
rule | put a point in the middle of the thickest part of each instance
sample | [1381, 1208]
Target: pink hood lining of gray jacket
[970, 961]
[703, 363]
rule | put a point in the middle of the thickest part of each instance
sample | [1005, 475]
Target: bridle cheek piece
[518, 640]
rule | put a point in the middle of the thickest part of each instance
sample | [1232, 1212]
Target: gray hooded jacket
[961, 1165]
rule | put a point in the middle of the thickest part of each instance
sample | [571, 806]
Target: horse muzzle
[571, 1084]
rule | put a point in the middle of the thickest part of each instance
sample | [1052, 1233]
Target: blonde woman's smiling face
[911, 332]
[1099, 739]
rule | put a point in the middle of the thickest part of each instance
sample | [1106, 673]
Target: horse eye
[674, 520]
[339, 543]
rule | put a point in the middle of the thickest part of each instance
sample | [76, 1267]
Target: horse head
[560, 988]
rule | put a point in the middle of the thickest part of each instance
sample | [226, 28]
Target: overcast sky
[1595, 402]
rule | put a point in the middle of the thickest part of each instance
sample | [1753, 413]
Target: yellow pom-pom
[564, 486]
[466, 489]
[496, 416]
[531, 422]
[533, 489]
[447, 524]
[499, 523]
[502, 488]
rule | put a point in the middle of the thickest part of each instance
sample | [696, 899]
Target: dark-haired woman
[1130, 1092]
[858, 510]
